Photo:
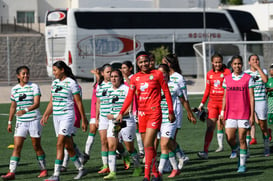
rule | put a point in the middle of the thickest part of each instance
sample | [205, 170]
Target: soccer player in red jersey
[147, 84]
[215, 92]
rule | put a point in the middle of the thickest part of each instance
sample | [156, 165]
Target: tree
[160, 53]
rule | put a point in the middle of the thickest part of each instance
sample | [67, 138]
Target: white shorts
[237, 123]
[103, 123]
[33, 128]
[127, 134]
[92, 121]
[178, 115]
[261, 109]
[168, 130]
[64, 124]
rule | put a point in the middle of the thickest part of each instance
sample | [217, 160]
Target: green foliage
[160, 53]
[232, 2]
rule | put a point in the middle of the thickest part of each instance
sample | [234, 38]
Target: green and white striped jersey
[101, 94]
[62, 95]
[117, 98]
[179, 79]
[24, 97]
[259, 89]
[175, 93]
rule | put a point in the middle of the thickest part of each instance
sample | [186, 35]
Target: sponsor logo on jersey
[153, 124]
[211, 76]
[137, 79]
[144, 86]
[217, 83]
[22, 97]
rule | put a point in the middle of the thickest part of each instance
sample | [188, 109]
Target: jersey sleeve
[265, 71]
[12, 98]
[165, 88]
[36, 90]
[207, 91]
[75, 88]
[224, 85]
[251, 83]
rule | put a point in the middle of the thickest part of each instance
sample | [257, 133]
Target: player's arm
[47, 112]
[97, 112]
[221, 116]
[186, 105]
[206, 94]
[78, 101]
[12, 110]
[252, 105]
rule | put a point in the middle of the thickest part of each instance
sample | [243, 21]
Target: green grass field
[190, 137]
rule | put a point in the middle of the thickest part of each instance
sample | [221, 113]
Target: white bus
[89, 38]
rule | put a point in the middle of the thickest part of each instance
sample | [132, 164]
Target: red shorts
[145, 120]
[214, 110]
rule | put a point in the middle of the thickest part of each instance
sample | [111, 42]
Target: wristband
[26, 109]
[222, 113]
[9, 122]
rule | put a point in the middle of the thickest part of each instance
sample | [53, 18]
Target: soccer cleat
[42, 174]
[104, 169]
[253, 141]
[80, 174]
[110, 176]
[270, 135]
[267, 152]
[241, 169]
[167, 167]
[141, 155]
[53, 178]
[203, 155]
[233, 154]
[127, 163]
[63, 169]
[8, 176]
[174, 173]
[157, 178]
[219, 149]
[145, 179]
[85, 158]
[137, 172]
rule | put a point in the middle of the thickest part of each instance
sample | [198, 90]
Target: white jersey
[62, 95]
[235, 77]
[24, 97]
[101, 94]
[117, 98]
[259, 89]
[179, 79]
[175, 93]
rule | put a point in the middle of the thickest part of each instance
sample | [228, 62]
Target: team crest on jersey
[222, 75]
[151, 77]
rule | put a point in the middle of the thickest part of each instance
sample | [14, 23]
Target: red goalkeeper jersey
[214, 89]
[148, 90]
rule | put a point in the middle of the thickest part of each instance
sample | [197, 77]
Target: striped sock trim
[59, 162]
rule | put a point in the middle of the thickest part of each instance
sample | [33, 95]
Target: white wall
[12, 6]
[112, 3]
[187, 3]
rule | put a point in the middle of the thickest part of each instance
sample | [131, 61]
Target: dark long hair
[18, 70]
[173, 60]
[129, 65]
[101, 70]
[67, 70]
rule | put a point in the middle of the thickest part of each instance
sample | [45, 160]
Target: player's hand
[110, 116]
[191, 118]
[84, 124]
[97, 123]
[119, 118]
[9, 128]
[200, 106]
[251, 120]
[44, 119]
[171, 118]
[20, 113]
[255, 65]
